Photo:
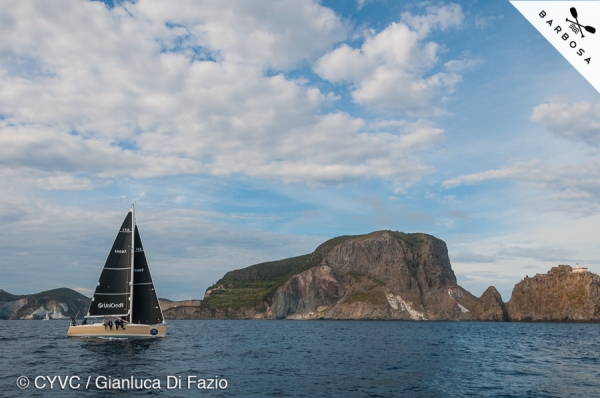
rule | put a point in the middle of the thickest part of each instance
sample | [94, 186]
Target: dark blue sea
[307, 359]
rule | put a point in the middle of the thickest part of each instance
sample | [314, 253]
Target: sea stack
[490, 307]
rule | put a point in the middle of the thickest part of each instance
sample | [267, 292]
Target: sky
[254, 131]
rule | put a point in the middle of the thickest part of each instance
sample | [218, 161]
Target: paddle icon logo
[569, 27]
[576, 26]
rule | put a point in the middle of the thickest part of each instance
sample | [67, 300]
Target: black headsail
[146, 308]
[112, 295]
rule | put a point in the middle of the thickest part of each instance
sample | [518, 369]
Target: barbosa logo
[576, 27]
[111, 305]
[570, 26]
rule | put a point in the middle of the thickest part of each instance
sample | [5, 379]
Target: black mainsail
[146, 308]
[125, 288]
[113, 293]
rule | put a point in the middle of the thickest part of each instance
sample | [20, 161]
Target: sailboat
[125, 292]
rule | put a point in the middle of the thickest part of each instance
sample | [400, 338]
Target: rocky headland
[382, 275]
[51, 304]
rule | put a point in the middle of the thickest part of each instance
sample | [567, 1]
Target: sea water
[307, 359]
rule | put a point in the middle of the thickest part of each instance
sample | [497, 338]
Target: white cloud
[148, 89]
[578, 122]
[519, 171]
[569, 187]
[441, 17]
[391, 70]
[422, 135]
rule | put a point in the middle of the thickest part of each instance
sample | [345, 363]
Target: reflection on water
[321, 358]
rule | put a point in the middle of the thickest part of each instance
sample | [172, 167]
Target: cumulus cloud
[392, 69]
[147, 89]
[578, 122]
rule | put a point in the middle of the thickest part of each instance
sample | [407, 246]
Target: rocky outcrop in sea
[561, 295]
[489, 307]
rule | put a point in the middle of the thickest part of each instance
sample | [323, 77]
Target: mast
[132, 244]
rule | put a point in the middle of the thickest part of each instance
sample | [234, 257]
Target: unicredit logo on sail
[111, 305]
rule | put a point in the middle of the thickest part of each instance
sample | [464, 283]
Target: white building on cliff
[578, 268]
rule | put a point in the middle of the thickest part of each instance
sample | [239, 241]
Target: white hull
[131, 331]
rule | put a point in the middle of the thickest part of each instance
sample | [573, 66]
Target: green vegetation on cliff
[256, 284]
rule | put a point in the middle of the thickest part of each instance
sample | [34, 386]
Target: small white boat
[125, 293]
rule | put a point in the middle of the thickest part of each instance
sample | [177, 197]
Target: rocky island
[381, 275]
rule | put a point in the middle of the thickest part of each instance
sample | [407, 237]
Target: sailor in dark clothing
[110, 323]
[73, 322]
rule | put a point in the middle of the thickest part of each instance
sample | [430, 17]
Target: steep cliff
[382, 275]
[55, 304]
[561, 295]
[490, 307]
